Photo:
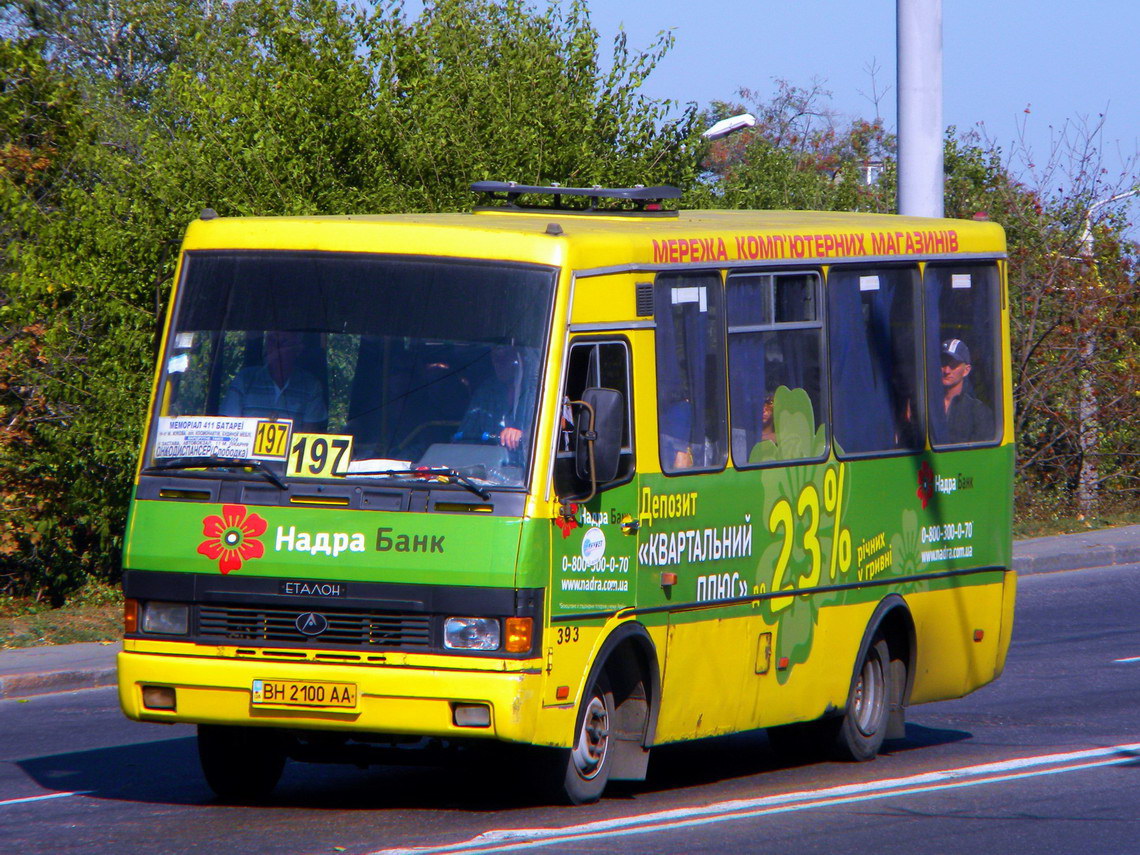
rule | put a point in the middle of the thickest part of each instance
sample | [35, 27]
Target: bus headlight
[166, 618]
[471, 633]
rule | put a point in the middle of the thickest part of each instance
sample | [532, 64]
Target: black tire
[864, 724]
[586, 767]
[241, 764]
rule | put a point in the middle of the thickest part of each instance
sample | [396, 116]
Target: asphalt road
[1043, 761]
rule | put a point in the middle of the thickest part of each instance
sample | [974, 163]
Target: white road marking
[1130, 659]
[504, 840]
[26, 799]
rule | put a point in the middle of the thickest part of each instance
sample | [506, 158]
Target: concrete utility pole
[920, 107]
[1088, 408]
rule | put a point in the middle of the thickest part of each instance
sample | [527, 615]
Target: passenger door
[595, 543]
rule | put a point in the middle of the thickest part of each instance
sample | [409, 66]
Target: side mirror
[599, 427]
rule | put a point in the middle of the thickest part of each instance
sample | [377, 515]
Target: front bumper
[397, 700]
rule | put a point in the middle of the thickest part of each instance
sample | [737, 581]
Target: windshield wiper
[218, 463]
[436, 472]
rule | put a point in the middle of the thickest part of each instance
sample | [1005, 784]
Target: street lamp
[730, 126]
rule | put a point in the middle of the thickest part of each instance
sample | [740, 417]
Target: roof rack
[646, 201]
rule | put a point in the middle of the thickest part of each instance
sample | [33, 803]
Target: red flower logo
[566, 520]
[232, 537]
[925, 483]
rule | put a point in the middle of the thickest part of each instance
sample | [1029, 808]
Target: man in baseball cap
[967, 418]
[956, 350]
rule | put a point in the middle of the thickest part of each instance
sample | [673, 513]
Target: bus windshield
[323, 364]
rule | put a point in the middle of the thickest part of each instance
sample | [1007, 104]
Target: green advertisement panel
[849, 530]
[323, 543]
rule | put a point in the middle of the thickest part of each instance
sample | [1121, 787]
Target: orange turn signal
[131, 616]
[520, 633]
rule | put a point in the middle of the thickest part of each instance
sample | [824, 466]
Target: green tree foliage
[1074, 319]
[44, 126]
[121, 119]
[799, 156]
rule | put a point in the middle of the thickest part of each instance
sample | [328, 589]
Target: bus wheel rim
[868, 696]
[589, 753]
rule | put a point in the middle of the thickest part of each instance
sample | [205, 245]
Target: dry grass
[62, 626]
[1044, 526]
[94, 613]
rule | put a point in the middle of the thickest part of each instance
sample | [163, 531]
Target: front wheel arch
[628, 660]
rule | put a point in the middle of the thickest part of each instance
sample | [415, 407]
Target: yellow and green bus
[574, 473]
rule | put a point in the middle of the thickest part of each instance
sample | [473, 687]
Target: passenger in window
[676, 436]
[765, 448]
[967, 418]
[767, 421]
[279, 388]
[494, 415]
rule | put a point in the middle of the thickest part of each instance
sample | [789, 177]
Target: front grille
[253, 624]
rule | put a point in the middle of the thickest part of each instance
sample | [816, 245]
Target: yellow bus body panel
[951, 663]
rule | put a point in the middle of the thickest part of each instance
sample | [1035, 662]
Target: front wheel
[241, 764]
[864, 725]
[581, 773]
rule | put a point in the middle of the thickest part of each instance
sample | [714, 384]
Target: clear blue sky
[1061, 60]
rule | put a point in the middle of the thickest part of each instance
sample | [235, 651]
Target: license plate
[298, 693]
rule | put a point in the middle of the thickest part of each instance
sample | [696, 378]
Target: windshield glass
[351, 365]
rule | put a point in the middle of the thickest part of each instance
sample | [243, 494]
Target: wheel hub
[593, 741]
[867, 696]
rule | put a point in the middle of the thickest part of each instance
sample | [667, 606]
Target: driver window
[594, 364]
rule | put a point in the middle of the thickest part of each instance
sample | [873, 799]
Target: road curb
[1079, 556]
[30, 685]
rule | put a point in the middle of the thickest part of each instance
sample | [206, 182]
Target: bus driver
[494, 412]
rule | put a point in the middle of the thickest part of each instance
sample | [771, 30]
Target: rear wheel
[864, 725]
[241, 764]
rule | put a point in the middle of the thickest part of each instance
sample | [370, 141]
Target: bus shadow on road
[167, 772]
[164, 771]
[921, 736]
[723, 758]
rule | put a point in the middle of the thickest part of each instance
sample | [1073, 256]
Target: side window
[775, 367]
[874, 348]
[963, 353]
[593, 364]
[691, 420]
